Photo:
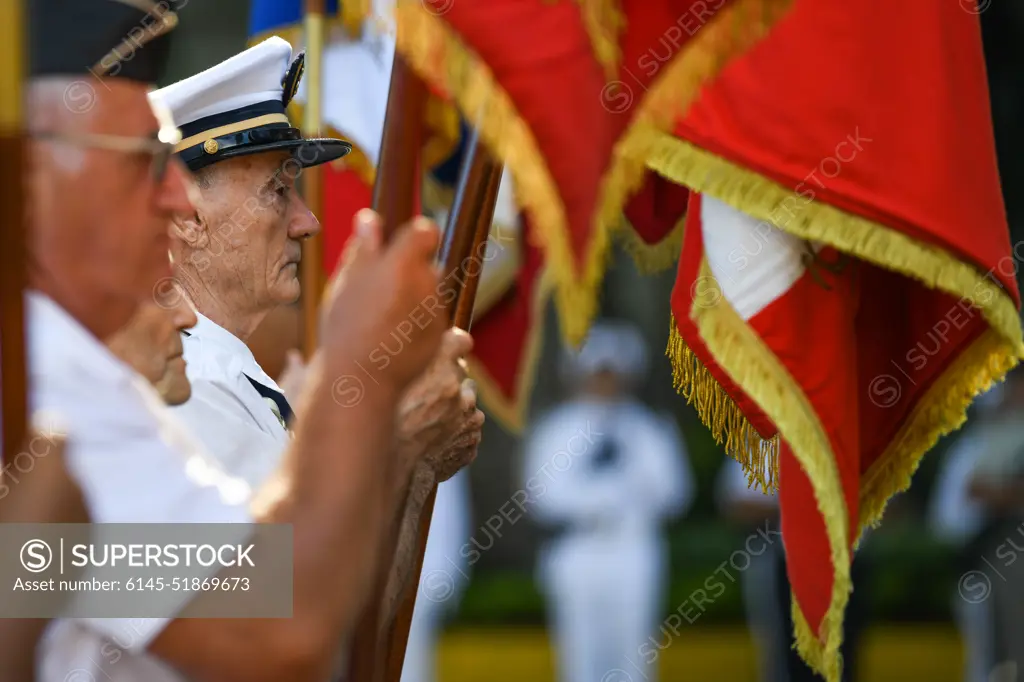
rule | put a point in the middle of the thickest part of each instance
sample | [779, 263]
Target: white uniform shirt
[134, 464]
[654, 483]
[237, 425]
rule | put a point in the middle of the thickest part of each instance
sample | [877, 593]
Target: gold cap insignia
[292, 77]
[211, 146]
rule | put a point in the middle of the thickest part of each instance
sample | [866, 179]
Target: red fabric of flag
[855, 281]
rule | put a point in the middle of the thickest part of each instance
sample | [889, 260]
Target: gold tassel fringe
[717, 411]
[651, 258]
[943, 408]
[438, 55]
[733, 30]
[748, 362]
[604, 22]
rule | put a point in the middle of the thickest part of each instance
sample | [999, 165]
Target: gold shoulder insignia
[291, 79]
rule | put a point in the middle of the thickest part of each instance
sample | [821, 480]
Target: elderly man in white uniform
[237, 258]
[606, 472]
[103, 187]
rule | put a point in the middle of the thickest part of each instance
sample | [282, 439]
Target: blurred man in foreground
[238, 256]
[606, 472]
[103, 187]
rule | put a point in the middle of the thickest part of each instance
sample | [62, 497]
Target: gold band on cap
[200, 138]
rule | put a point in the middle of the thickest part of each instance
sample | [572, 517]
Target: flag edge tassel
[719, 413]
[651, 258]
[438, 55]
[701, 171]
[942, 408]
[673, 91]
[604, 21]
[750, 364]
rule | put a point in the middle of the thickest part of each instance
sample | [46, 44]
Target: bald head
[99, 220]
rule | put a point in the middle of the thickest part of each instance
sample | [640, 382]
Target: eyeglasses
[159, 150]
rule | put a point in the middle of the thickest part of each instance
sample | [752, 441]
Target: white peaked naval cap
[611, 346]
[238, 107]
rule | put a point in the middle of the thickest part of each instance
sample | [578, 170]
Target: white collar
[210, 332]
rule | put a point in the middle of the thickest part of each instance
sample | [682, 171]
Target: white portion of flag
[753, 261]
[356, 78]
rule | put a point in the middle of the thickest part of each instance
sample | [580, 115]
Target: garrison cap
[238, 107]
[103, 38]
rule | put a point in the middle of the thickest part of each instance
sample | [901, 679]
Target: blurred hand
[461, 450]
[431, 413]
[378, 292]
[44, 493]
[47, 493]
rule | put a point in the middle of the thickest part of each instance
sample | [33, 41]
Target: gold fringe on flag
[744, 357]
[651, 258]
[439, 56]
[604, 21]
[943, 408]
[717, 411]
[732, 31]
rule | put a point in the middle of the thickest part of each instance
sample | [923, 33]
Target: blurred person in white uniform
[957, 519]
[605, 473]
[977, 507]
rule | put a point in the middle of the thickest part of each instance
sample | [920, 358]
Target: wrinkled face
[99, 238]
[252, 221]
[151, 343]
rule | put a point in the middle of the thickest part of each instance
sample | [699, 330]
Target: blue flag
[274, 16]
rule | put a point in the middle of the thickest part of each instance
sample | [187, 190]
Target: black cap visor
[308, 152]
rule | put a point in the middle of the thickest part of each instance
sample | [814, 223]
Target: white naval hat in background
[238, 107]
[613, 346]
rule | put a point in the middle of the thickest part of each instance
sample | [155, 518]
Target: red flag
[508, 340]
[533, 76]
[652, 227]
[837, 286]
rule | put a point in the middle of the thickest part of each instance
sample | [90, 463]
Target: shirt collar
[210, 332]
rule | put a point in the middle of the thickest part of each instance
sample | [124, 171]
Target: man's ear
[192, 230]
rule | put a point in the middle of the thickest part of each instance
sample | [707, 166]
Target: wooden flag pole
[469, 225]
[394, 198]
[14, 254]
[313, 279]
